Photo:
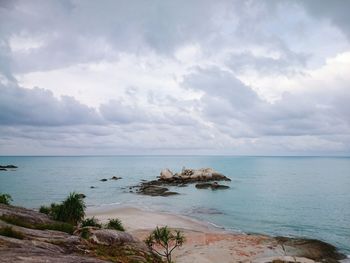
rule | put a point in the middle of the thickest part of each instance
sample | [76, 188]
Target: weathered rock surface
[314, 249]
[192, 175]
[166, 174]
[26, 215]
[55, 246]
[213, 186]
[111, 237]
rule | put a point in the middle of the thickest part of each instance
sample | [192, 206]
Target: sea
[280, 196]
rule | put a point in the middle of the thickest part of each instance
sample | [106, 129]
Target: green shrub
[5, 199]
[115, 224]
[90, 222]
[10, 232]
[72, 210]
[85, 233]
[45, 209]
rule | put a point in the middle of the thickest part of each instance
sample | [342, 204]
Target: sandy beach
[204, 243]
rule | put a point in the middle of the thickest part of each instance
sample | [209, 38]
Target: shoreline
[204, 242]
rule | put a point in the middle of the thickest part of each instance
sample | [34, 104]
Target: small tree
[5, 199]
[163, 241]
[72, 210]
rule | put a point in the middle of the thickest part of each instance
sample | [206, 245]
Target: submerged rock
[116, 178]
[213, 186]
[103, 180]
[10, 166]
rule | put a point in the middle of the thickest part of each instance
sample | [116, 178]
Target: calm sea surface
[292, 196]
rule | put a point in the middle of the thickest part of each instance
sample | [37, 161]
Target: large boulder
[166, 174]
[26, 215]
[110, 237]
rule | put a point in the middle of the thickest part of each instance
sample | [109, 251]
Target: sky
[174, 77]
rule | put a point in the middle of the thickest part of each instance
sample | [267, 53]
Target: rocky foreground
[30, 240]
[24, 237]
[204, 178]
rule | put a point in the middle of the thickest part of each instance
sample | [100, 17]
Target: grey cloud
[20, 106]
[236, 109]
[289, 64]
[337, 11]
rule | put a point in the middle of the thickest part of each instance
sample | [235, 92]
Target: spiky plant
[72, 210]
[115, 224]
[90, 222]
[5, 199]
[163, 241]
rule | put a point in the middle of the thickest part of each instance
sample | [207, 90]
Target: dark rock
[3, 169]
[10, 166]
[92, 187]
[168, 193]
[115, 178]
[82, 196]
[203, 185]
[103, 180]
[213, 186]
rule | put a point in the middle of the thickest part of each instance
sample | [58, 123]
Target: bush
[45, 209]
[58, 226]
[90, 222]
[115, 224]
[5, 199]
[10, 232]
[166, 239]
[71, 210]
[85, 233]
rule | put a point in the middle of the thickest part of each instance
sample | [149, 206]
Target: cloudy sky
[175, 77]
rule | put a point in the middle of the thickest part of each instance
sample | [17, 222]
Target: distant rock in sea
[5, 167]
[167, 178]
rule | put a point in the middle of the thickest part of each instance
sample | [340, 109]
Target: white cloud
[232, 77]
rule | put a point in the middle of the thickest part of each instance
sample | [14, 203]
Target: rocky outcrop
[166, 174]
[203, 176]
[314, 249]
[154, 190]
[26, 215]
[213, 186]
[51, 246]
[192, 176]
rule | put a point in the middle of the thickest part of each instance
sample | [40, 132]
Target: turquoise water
[292, 196]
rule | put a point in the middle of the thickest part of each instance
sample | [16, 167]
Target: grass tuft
[8, 231]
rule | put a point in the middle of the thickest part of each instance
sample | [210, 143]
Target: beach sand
[204, 243]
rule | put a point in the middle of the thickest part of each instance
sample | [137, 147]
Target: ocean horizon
[298, 196]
